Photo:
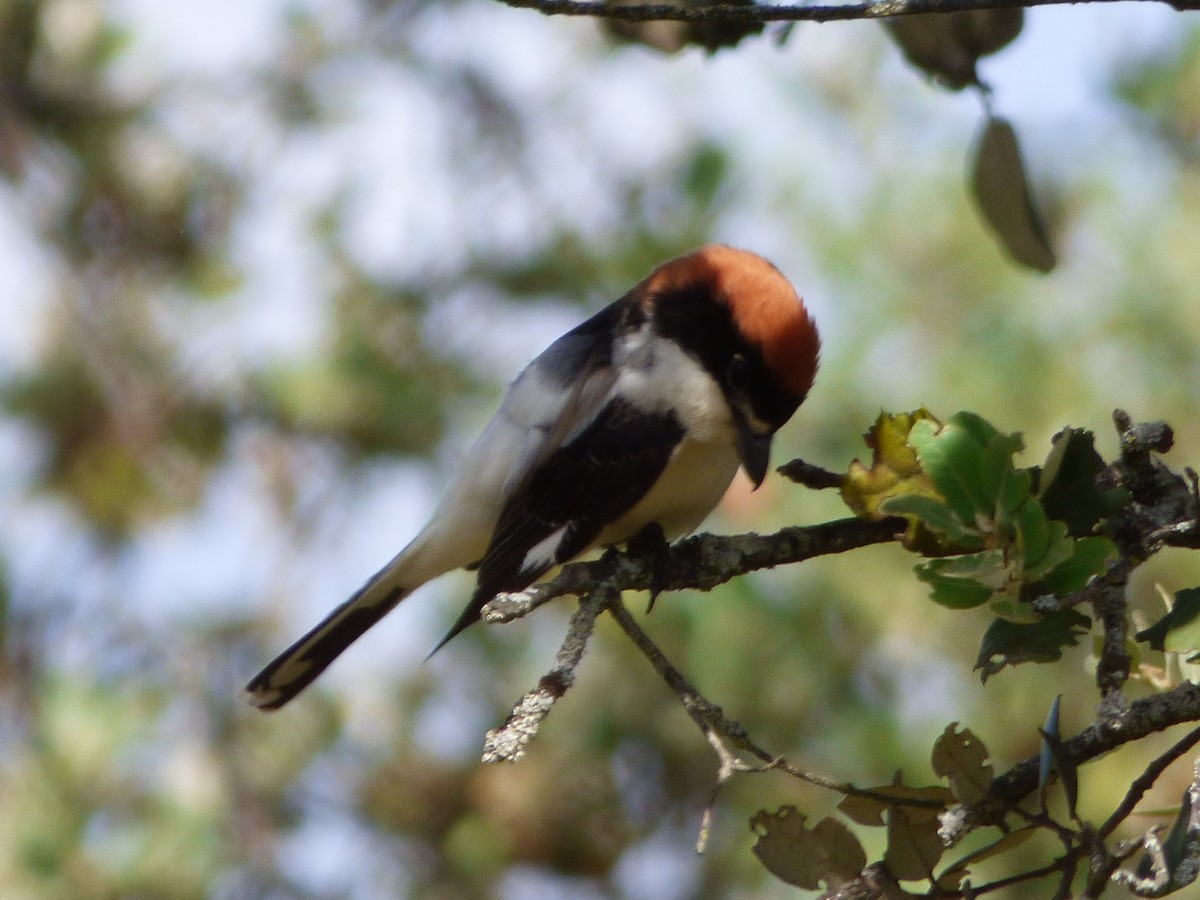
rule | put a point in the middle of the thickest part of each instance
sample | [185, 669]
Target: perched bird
[638, 416]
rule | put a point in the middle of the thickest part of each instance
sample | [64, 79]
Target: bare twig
[507, 743]
[810, 476]
[715, 726]
[1146, 780]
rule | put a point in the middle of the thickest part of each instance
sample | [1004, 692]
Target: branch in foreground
[700, 562]
[757, 12]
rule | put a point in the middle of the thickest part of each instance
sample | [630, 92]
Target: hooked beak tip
[755, 453]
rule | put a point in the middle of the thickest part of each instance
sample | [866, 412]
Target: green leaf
[951, 459]
[970, 463]
[1179, 630]
[954, 592]
[988, 568]
[1007, 487]
[1089, 557]
[961, 758]
[1011, 609]
[1016, 489]
[1068, 488]
[806, 857]
[935, 515]
[1059, 549]
[1033, 531]
[981, 431]
[1009, 644]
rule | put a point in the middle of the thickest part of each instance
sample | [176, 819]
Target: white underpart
[538, 416]
[659, 377]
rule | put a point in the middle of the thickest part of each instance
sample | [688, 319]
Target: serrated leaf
[1089, 557]
[951, 459]
[982, 431]
[1068, 488]
[1179, 630]
[1009, 644]
[806, 857]
[961, 758]
[913, 845]
[1001, 188]
[888, 440]
[894, 470]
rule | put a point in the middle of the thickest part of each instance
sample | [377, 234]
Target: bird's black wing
[566, 502]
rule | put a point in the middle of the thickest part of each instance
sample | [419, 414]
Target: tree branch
[757, 12]
[701, 562]
[1143, 717]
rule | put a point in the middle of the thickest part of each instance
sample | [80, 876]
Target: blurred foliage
[208, 393]
[1167, 91]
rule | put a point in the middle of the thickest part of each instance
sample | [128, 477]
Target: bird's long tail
[296, 668]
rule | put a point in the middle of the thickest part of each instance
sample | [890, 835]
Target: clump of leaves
[996, 534]
[829, 854]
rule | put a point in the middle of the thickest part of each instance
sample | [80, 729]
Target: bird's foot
[650, 543]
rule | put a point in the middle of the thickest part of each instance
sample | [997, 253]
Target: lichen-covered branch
[700, 563]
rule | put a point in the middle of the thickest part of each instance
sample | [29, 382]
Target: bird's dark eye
[738, 374]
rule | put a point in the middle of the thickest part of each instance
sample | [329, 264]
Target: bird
[637, 418]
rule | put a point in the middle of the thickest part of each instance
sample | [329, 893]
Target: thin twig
[711, 720]
[507, 743]
[1146, 780]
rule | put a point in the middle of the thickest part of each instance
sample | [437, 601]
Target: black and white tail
[296, 668]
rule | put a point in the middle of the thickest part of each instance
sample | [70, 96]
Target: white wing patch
[543, 554]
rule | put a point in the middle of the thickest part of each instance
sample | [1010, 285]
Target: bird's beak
[755, 452]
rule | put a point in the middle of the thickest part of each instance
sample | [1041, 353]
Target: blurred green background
[264, 271]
